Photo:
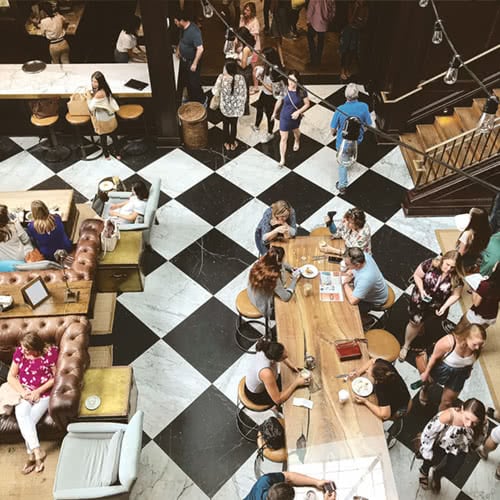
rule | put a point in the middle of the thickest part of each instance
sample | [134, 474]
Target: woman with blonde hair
[14, 242]
[32, 374]
[47, 231]
[278, 222]
[438, 285]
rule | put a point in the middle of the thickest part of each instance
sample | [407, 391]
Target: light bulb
[208, 10]
[423, 3]
[452, 74]
[487, 121]
[347, 153]
[437, 36]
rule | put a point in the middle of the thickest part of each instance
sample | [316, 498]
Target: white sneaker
[254, 128]
[268, 137]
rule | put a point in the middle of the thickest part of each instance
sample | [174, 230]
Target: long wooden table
[343, 442]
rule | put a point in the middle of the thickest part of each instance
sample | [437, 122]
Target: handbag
[215, 102]
[77, 104]
[110, 235]
[43, 108]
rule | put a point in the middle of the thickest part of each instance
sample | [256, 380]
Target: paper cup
[343, 396]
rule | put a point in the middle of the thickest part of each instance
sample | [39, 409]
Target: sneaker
[268, 137]
[342, 190]
[255, 128]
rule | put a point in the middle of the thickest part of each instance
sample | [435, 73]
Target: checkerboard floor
[178, 333]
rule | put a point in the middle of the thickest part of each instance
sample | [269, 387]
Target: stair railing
[464, 150]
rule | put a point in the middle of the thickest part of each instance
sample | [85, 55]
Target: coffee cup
[343, 267]
[343, 396]
[305, 374]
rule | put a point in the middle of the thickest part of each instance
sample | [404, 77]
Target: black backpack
[272, 433]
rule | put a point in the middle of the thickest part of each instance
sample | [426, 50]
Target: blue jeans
[343, 176]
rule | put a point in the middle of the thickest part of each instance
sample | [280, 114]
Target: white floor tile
[229, 293]
[23, 171]
[393, 166]
[26, 142]
[316, 124]
[240, 484]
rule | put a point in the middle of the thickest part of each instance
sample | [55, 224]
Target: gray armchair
[99, 460]
[149, 214]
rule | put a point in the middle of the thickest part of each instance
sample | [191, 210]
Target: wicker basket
[193, 118]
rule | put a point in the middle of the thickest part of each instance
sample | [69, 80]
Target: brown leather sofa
[70, 333]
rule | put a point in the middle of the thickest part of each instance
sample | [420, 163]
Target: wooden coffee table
[117, 390]
[53, 306]
[62, 199]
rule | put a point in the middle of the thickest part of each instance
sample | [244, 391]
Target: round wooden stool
[248, 428]
[130, 113]
[247, 310]
[385, 308]
[320, 231]
[382, 344]
[54, 152]
[277, 456]
[77, 121]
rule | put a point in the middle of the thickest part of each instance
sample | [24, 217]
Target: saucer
[93, 402]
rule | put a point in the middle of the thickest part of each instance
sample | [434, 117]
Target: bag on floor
[109, 236]
[77, 104]
[43, 108]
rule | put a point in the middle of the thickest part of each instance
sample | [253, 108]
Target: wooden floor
[490, 356]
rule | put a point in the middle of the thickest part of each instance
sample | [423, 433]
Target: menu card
[330, 287]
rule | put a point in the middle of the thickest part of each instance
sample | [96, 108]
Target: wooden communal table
[343, 442]
[53, 306]
[61, 200]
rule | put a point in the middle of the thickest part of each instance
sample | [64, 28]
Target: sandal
[39, 465]
[423, 399]
[29, 466]
[403, 353]
[296, 146]
[227, 146]
[424, 482]
[234, 145]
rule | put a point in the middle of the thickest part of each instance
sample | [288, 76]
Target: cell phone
[334, 260]
[330, 487]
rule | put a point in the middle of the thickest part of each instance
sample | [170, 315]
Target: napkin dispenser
[348, 349]
[6, 301]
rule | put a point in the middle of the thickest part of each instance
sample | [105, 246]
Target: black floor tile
[55, 182]
[369, 152]
[131, 337]
[137, 162]
[151, 260]
[463, 474]
[376, 195]
[204, 441]
[304, 196]
[212, 157]
[213, 260]
[214, 199]
[8, 148]
[397, 256]
[338, 98]
[164, 198]
[463, 496]
[145, 439]
[206, 344]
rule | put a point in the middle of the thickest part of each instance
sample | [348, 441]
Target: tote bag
[77, 104]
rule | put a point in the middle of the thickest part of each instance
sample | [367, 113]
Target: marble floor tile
[316, 124]
[26, 142]
[169, 297]
[253, 170]
[23, 171]
[482, 484]
[159, 474]
[393, 166]
[240, 226]
[245, 132]
[163, 398]
[178, 227]
[421, 229]
[228, 294]
[322, 169]
[85, 177]
[477, 387]
[178, 172]
[322, 91]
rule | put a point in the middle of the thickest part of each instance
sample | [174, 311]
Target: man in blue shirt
[279, 486]
[352, 107]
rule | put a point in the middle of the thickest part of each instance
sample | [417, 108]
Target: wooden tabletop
[53, 306]
[337, 436]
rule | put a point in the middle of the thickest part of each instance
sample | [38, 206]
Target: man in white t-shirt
[128, 211]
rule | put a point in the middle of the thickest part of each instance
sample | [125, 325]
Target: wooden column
[154, 15]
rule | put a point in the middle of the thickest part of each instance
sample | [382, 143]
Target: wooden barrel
[193, 117]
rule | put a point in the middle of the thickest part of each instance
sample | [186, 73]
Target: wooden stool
[320, 231]
[277, 456]
[247, 430]
[387, 306]
[77, 121]
[247, 310]
[55, 152]
[128, 113]
[382, 344]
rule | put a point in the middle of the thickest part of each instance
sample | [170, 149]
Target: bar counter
[62, 80]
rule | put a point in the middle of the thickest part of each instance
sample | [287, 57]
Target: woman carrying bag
[103, 106]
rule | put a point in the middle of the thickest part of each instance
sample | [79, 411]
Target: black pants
[293, 16]
[229, 129]
[315, 50]
[191, 80]
[265, 104]
[104, 143]
[267, 5]
[444, 468]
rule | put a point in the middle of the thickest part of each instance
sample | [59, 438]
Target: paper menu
[330, 287]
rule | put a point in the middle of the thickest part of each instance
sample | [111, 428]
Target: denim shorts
[452, 378]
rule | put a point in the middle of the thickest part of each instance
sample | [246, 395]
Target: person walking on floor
[320, 14]
[352, 107]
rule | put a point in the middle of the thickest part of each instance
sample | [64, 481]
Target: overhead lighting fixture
[437, 36]
[487, 120]
[208, 10]
[452, 74]
[423, 3]
[348, 150]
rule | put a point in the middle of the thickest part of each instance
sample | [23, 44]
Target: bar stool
[55, 152]
[386, 307]
[247, 310]
[247, 430]
[382, 344]
[320, 231]
[263, 452]
[128, 113]
[396, 428]
[76, 121]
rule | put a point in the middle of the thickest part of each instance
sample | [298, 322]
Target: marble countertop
[63, 80]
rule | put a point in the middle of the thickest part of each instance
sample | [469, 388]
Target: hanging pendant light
[348, 150]
[487, 121]
[423, 3]
[437, 36]
[208, 10]
[452, 74]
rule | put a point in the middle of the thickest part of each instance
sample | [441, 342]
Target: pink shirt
[33, 373]
[253, 26]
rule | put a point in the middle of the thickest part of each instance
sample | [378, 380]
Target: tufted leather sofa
[70, 333]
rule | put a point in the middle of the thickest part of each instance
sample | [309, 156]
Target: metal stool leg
[248, 432]
[393, 432]
[239, 336]
[56, 152]
[136, 147]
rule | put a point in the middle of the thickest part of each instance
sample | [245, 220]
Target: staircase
[454, 140]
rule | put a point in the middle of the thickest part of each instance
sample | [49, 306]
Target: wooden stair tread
[413, 140]
[468, 117]
[479, 102]
[449, 126]
[429, 135]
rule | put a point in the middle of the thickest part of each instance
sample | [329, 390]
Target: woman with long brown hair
[47, 231]
[438, 285]
[268, 277]
[14, 242]
[474, 238]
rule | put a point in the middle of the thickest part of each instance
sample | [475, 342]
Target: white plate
[310, 267]
[92, 402]
[106, 186]
[362, 386]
